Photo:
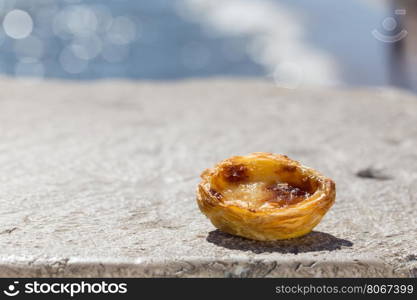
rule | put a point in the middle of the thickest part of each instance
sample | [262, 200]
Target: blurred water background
[294, 42]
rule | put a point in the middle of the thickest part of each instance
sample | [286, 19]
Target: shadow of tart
[264, 196]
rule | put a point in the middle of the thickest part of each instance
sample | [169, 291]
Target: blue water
[166, 43]
[166, 46]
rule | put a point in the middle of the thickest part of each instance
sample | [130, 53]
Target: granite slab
[98, 179]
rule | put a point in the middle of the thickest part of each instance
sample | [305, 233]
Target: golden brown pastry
[264, 196]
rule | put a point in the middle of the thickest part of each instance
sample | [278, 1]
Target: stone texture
[98, 179]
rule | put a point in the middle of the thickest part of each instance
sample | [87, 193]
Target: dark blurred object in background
[404, 51]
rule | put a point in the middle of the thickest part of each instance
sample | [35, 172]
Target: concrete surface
[98, 179]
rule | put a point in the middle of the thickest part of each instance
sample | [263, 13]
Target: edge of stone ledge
[189, 267]
[18, 82]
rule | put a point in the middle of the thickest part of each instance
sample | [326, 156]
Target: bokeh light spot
[18, 24]
[86, 48]
[122, 31]
[81, 20]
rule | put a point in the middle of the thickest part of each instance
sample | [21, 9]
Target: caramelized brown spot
[307, 184]
[216, 194]
[285, 194]
[235, 173]
[288, 168]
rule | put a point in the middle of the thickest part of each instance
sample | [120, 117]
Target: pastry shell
[264, 196]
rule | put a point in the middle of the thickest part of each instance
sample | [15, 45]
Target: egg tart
[264, 196]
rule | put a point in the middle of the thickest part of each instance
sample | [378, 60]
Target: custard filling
[261, 185]
[261, 195]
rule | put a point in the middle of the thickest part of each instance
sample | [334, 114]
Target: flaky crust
[264, 223]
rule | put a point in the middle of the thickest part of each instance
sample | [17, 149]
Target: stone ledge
[99, 178]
